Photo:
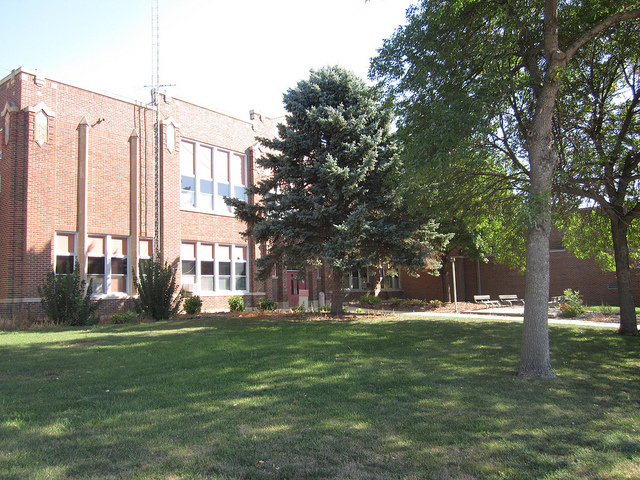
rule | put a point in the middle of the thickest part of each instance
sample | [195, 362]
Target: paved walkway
[512, 314]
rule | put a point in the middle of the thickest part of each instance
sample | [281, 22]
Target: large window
[208, 174]
[108, 263]
[357, 280]
[209, 267]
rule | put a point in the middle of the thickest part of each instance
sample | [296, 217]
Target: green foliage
[265, 304]
[466, 120]
[125, 317]
[370, 301]
[332, 194]
[324, 308]
[572, 306]
[435, 303]
[158, 294]
[236, 303]
[192, 305]
[299, 309]
[66, 299]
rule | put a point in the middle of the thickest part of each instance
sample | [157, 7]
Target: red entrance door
[294, 288]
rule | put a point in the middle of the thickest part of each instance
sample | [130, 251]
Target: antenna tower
[157, 138]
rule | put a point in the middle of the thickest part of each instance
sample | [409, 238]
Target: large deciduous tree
[477, 85]
[598, 129]
[330, 193]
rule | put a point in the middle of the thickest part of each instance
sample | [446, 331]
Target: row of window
[364, 279]
[208, 174]
[208, 267]
[107, 260]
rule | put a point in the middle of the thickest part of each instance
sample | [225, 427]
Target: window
[393, 282]
[240, 267]
[357, 280]
[208, 174]
[108, 264]
[145, 252]
[119, 264]
[209, 268]
[65, 253]
[96, 263]
[188, 263]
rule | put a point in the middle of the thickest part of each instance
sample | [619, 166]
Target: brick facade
[597, 287]
[92, 175]
[80, 163]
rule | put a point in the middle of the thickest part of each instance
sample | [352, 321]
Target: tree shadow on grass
[247, 399]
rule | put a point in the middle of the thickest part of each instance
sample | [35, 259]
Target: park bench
[510, 300]
[486, 300]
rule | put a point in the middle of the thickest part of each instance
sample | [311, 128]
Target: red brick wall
[40, 183]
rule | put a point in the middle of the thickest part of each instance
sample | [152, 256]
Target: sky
[232, 56]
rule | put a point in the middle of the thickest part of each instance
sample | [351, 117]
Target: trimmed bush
[158, 294]
[265, 304]
[236, 303]
[125, 317]
[370, 301]
[66, 299]
[192, 305]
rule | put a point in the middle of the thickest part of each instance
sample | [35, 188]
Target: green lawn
[222, 398]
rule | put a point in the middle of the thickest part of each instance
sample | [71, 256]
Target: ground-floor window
[108, 263]
[214, 268]
[357, 280]
[65, 253]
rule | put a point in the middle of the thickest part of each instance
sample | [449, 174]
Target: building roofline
[38, 74]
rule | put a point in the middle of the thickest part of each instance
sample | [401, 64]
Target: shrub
[572, 306]
[66, 299]
[395, 301]
[324, 308]
[416, 302]
[158, 293]
[192, 305]
[236, 303]
[125, 317]
[370, 301]
[299, 309]
[264, 304]
[435, 303]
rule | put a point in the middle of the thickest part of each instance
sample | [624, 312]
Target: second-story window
[208, 174]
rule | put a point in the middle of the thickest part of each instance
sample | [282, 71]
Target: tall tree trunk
[535, 360]
[628, 321]
[337, 279]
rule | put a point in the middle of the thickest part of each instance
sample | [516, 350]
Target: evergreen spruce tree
[330, 193]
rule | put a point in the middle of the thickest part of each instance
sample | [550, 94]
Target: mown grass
[222, 398]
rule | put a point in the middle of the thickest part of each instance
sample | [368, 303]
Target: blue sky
[232, 56]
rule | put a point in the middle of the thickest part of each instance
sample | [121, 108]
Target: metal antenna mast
[157, 138]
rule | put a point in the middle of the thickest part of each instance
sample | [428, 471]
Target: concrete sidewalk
[509, 314]
[512, 314]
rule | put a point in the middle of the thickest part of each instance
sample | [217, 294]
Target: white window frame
[65, 253]
[227, 179]
[194, 283]
[363, 273]
[107, 275]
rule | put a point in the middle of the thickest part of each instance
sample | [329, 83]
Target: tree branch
[598, 29]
